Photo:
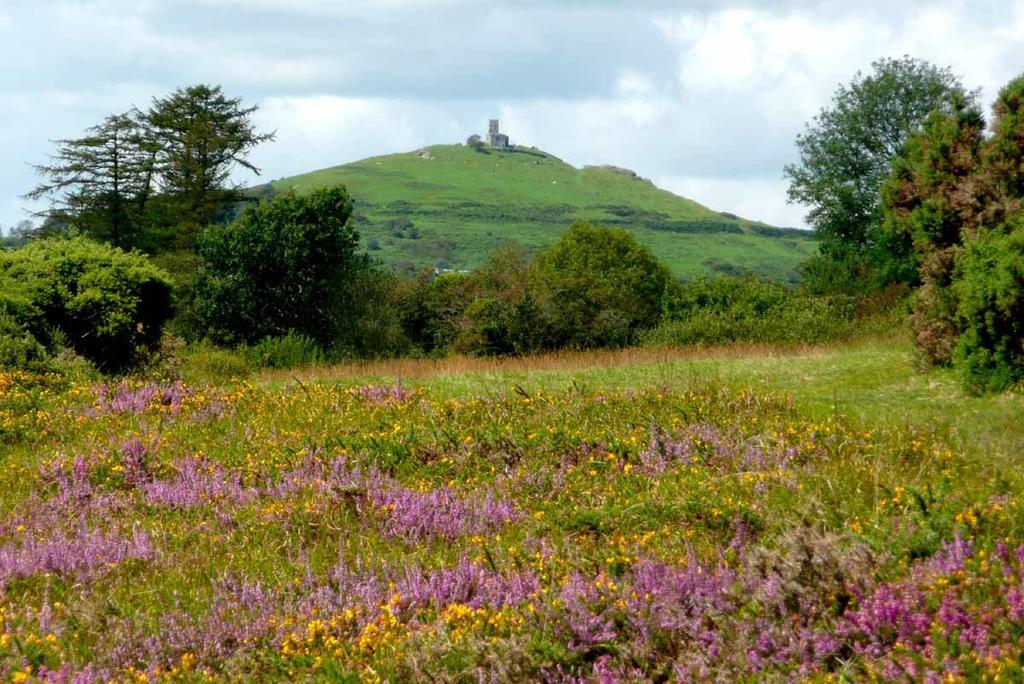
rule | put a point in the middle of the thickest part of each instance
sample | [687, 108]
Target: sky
[704, 98]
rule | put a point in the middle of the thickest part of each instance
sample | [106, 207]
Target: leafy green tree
[106, 304]
[597, 287]
[503, 318]
[202, 136]
[100, 184]
[845, 157]
[283, 266]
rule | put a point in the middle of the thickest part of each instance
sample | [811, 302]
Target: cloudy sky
[703, 97]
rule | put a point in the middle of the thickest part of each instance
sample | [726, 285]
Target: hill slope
[450, 206]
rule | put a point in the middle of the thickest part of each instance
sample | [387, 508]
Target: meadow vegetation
[562, 519]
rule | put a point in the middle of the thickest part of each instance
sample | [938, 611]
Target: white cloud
[327, 130]
[763, 199]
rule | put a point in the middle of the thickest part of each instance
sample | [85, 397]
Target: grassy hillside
[450, 206]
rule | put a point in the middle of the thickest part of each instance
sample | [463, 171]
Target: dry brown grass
[554, 361]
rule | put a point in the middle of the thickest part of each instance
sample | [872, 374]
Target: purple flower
[84, 554]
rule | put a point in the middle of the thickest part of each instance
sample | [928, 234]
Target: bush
[431, 309]
[933, 316]
[289, 351]
[284, 266]
[374, 327]
[107, 305]
[203, 362]
[19, 349]
[989, 285]
[729, 309]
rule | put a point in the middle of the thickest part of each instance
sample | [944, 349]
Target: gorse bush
[989, 353]
[956, 196]
[19, 349]
[107, 305]
[730, 309]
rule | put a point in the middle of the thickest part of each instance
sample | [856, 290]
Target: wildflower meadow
[357, 530]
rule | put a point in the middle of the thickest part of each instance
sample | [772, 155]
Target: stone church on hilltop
[496, 138]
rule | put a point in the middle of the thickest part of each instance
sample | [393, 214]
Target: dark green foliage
[950, 194]
[431, 309]
[933, 316]
[934, 199]
[202, 136]
[931, 197]
[990, 290]
[19, 349]
[102, 183]
[598, 287]
[107, 305]
[729, 309]
[845, 157]
[151, 180]
[284, 266]
[1004, 154]
[373, 326]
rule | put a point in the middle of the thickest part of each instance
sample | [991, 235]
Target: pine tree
[100, 183]
[202, 135]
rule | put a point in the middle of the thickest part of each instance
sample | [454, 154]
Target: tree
[20, 235]
[845, 157]
[100, 183]
[1003, 156]
[956, 197]
[597, 287]
[283, 266]
[202, 136]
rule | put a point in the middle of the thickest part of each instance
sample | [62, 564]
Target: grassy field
[452, 206]
[731, 514]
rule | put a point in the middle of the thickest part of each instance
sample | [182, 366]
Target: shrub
[989, 354]
[105, 304]
[729, 309]
[933, 318]
[287, 351]
[431, 309]
[19, 349]
[374, 327]
[283, 266]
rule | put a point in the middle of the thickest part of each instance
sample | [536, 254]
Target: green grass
[870, 382]
[465, 203]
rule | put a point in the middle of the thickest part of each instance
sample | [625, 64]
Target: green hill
[450, 206]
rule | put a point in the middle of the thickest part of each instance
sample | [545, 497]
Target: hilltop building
[496, 138]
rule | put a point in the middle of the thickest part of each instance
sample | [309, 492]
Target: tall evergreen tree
[100, 183]
[202, 136]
